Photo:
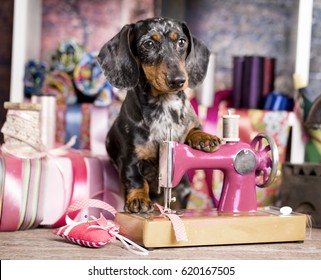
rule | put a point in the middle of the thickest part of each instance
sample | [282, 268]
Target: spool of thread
[231, 128]
[47, 118]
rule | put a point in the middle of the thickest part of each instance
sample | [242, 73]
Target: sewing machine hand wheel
[269, 158]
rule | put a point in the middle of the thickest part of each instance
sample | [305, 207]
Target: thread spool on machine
[236, 219]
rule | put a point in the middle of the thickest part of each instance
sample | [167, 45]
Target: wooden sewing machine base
[207, 227]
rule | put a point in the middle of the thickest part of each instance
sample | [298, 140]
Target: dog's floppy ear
[196, 60]
[117, 60]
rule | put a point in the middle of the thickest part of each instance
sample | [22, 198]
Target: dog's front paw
[203, 141]
[138, 201]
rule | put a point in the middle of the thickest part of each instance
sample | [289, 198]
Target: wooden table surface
[42, 244]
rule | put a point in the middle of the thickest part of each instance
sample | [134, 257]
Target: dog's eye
[181, 43]
[149, 45]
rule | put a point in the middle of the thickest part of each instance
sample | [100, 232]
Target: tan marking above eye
[173, 36]
[157, 37]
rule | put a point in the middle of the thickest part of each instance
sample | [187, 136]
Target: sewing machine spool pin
[165, 176]
[166, 173]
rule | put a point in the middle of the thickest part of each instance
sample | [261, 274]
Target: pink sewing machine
[244, 165]
[236, 219]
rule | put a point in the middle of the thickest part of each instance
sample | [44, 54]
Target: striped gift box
[22, 192]
[37, 192]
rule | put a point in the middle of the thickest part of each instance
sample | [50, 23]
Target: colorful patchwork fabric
[88, 76]
[90, 80]
[59, 83]
[34, 78]
[68, 56]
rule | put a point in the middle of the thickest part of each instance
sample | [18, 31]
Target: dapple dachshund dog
[155, 60]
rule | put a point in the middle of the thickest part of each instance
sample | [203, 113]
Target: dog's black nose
[176, 82]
